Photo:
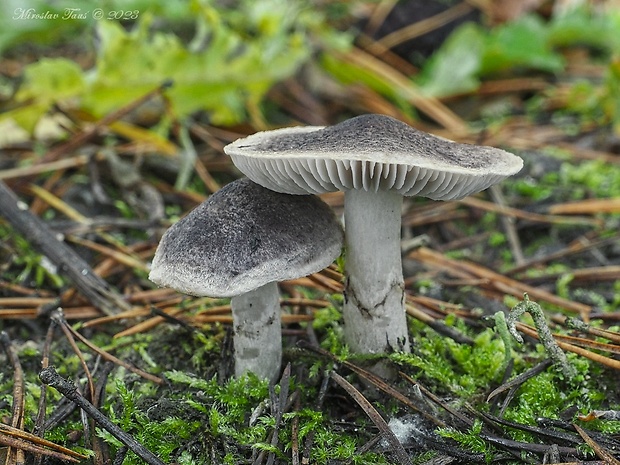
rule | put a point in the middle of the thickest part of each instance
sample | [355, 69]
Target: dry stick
[39, 428]
[578, 325]
[520, 379]
[495, 280]
[121, 453]
[320, 400]
[69, 263]
[24, 301]
[32, 170]
[587, 343]
[205, 176]
[529, 216]
[101, 448]
[581, 244]
[553, 434]
[596, 274]
[15, 456]
[598, 358]
[428, 105]
[118, 256]
[278, 407]
[425, 26]
[436, 400]
[147, 324]
[436, 324]
[36, 440]
[587, 207]
[25, 291]
[295, 433]
[50, 377]
[601, 452]
[508, 223]
[375, 380]
[375, 416]
[37, 450]
[59, 318]
[72, 313]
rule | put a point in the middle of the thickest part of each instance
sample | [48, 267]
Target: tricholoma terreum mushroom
[375, 160]
[240, 243]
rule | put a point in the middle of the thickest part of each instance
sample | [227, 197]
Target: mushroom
[239, 244]
[375, 160]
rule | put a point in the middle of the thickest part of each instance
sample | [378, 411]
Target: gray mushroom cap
[245, 236]
[369, 152]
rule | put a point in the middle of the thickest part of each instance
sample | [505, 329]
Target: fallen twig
[50, 377]
[15, 455]
[15, 438]
[65, 258]
[493, 280]
[60, 320]
[601, 452]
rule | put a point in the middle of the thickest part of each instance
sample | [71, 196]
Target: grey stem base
[374, 309]
[257, 332]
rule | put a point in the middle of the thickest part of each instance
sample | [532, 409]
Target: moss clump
[462, 369]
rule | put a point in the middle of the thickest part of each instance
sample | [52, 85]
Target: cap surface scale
[370, 152]
[245, 236]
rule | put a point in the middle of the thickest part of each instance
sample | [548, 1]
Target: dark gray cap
[245, 236]
[370, 152]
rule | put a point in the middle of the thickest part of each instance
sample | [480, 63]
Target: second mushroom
[239, 244]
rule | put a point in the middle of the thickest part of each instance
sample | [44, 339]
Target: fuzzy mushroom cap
[245, 236]
[370, 152]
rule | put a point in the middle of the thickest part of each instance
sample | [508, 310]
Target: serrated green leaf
[220, 79]
[49, 81]
[235, 58]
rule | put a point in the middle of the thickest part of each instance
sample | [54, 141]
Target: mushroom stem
[374, 309]
[257, 332]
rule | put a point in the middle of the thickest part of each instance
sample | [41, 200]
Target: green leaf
[582, 27]
[454, 68]
[49, 81]
[221, 78]
[237, 55]
[523, 43]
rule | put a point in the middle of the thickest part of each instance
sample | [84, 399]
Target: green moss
[463, 369]
[238, 411]
[470, 440]
[595, 177]
[328, 325]
[497, 239]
